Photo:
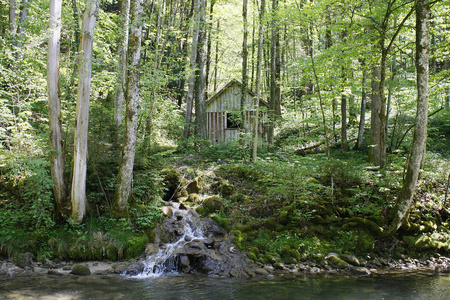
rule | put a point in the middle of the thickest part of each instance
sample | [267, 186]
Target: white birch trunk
[122, 68]
[78, 193]
[125, 176]
[54, 106]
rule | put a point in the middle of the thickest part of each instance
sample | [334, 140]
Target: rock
[167, 211]
[351, 259]
[212, 204]
[49, 264]
[261, 271]
[151, 248]
[193, 198]
[80, 270]
[361, 271]
[226, 189]
[54, 272]
[172, 181]
[270, 277]
[24, 260]
[129, 268]
[194, 187]
[337, 263]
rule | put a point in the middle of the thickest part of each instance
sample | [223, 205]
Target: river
[417, 285]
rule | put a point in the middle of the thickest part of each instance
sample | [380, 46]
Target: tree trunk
[258, 80]
[274, 103]
[12, 17]
[78, 193]
[216, 59]
[362, 118]
[375, 121]
[54, 105]
[405, 198]
[193, 65]
[125, 177]
[22, 16]
[76, 26]
[200, 86]
[209, 48]
[244, 73]
[344, 145]
[122, 63]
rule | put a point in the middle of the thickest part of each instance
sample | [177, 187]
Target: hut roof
[230, 84]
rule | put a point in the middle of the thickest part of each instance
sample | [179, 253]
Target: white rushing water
[166, 260]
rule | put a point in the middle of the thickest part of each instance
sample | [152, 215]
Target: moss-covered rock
[80, 270]
[212, 204]
[337, 263]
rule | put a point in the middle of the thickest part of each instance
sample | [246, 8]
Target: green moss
[136, 246]
[252, 256]
[338, 263]
[222, 221]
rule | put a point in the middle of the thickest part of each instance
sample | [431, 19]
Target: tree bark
[344, 145]
[78, 193]
[275, 96]
[122, 63]
[54, 105]
[22, 16]
[258, 80]
[193, 64]
[362, 118]
[405, 197]
[12, 17]
[125, 177]
[375, 121]
[200, 80]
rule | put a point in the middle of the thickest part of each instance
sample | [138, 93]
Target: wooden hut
[223, 111]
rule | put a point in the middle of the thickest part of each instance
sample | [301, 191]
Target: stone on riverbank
[80, 270]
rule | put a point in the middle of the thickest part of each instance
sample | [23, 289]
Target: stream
[417, 285]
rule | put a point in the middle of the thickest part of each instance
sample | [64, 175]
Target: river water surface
[418, 285]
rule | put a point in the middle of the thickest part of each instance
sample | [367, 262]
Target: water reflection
[426, 285]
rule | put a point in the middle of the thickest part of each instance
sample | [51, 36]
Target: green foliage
[439, 133]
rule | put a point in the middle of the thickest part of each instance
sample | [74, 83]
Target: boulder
[80, 270]
[212, 204]
[24, 260]
[129, 268]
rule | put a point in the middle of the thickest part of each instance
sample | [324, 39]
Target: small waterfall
[185, 228]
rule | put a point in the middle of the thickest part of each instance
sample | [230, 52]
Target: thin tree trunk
[54, 104]
[193, 64]
[208, 55]
[344, 145]
[258, 80]
[122, 63]
[216, 59]
[12, 17]
[375, 121]
[22, 17]
[244, 75]
[405, 198]
[76, 26]
[78, 193]
[362, 117]
[125, 177]
[200, 90]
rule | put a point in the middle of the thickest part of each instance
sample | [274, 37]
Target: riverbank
[356, 267]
